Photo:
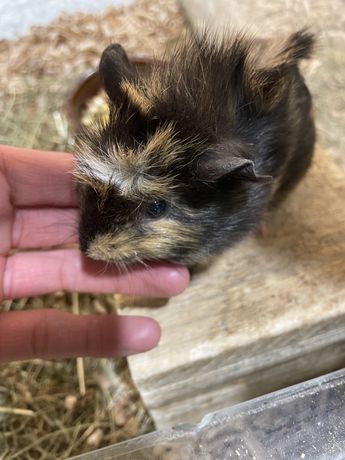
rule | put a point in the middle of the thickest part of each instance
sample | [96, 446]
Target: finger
[40, 228]
[56, 334]
[38, 178]
[39, 272]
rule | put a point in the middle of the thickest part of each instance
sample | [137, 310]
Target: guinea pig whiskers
[143, 263]
[104, 268]
[122, 266]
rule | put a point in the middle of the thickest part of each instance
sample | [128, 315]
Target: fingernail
[177, 279]
[139, 334]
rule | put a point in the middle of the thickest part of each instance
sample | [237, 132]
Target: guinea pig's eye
[156, 209]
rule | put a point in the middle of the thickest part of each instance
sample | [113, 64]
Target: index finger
[39, 178]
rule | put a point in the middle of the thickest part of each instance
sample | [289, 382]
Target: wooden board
[268, 313]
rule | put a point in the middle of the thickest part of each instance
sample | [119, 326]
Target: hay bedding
[37, 71]
[42, 413]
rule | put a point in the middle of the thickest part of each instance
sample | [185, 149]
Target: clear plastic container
[305, 421]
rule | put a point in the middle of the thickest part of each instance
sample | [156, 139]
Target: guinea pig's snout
[89, 227]
[84, 243]
[86, 235]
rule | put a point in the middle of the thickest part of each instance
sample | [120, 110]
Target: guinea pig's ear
[269, 64]
[114, 68]
[216, 165]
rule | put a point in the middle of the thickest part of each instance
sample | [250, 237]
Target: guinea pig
[194, 151]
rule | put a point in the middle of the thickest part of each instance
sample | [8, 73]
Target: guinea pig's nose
[83, 243]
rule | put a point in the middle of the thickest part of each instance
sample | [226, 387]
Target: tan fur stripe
[127, 247]
[132, 172]
[135, 96]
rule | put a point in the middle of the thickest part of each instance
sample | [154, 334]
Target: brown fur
[135, 165]
[136, 97]
[217, 131]
[162, 236]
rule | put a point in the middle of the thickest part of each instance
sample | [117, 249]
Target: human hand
[39, 211]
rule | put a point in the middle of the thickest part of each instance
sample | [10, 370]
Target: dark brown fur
[218, 132]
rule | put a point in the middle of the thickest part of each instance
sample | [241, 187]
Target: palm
[39, 211]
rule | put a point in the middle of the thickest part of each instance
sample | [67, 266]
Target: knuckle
[18, 229]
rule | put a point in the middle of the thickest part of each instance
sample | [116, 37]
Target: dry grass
[39, 70]
[43, 411]
[43, 414]
[57, 421]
